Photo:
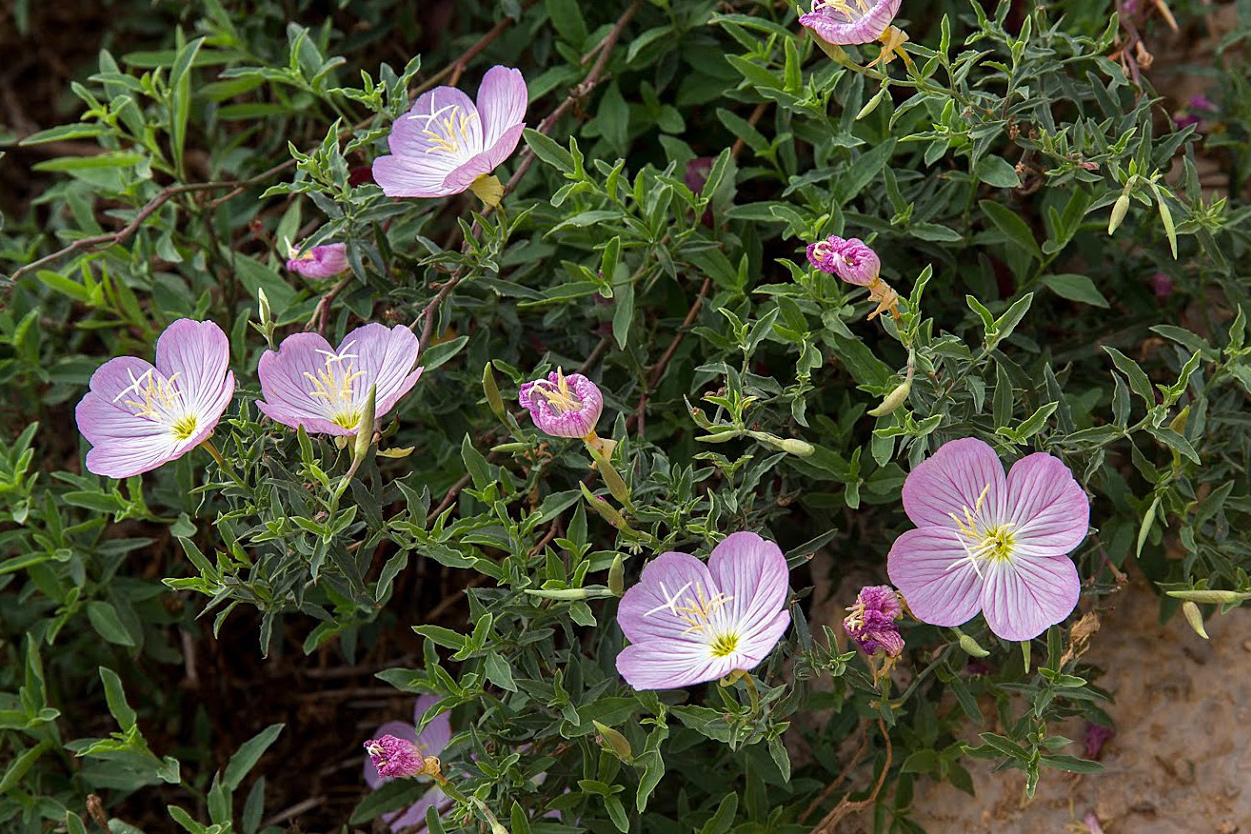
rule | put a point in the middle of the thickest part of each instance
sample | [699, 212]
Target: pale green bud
[492, 392]
[894, 399]
[365, 427]
[616, 576]
[1119, 210]
[614, 742]
[1195, 617]
[1218, 597]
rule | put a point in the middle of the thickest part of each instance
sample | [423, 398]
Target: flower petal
[286, 388]
[1022, 597]
[386, 355]
[433, 739]
[670, 664]
[931, 569]
[442, 124]
[752, 572]
[502, 99]
[416, 814]
[403, 176]
[644, 613]
[758, 639]
[951, 480]
[199, 353]
[1048, 508]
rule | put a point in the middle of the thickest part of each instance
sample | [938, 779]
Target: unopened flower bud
[1119, 210]
[1195, 618]
[1218, 597]
[493, 398]
[614, 742]
[266, 314]
[971, 647]
[365, 426]
[894, 399]
[616, 576]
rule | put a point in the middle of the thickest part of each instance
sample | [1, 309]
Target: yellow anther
[335, 383]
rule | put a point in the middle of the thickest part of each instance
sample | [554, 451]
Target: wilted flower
[854, 262]
[688, 622]
[988, 543]
[851, 260]
[394, 757]
[1096, 736]
[137, 416]
[850, 21]
[871, 623]
[446, 144]
[563, 406]
[843, 22]
[320, 261]
[429, 743]
[305, 383]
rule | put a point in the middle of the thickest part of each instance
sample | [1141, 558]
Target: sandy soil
[1180, 762]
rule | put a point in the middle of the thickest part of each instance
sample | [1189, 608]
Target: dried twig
[658, 370]
[845, 807]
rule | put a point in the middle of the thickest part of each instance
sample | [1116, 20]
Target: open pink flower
[445, 142]
[688, 622]
[138, 416]
[320, 262]
[563, 406]
[850, 21]
[306, 383]
[988, 543]
[431, 741]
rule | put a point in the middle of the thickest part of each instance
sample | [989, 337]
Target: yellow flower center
[843, 7]
[447, 130]
[698, 610]
[558, 394]
[158, 399]
[335, 384]
[983, 542]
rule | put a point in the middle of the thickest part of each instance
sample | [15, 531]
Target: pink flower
[320, 261]
[850, 21]
[871, 623]
[851, 260]
[563, 406]
[988, 543]
[137, 416]
[305, 383]
[688, 622]
[445, 142]
[431, 741]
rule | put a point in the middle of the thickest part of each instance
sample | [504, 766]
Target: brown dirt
[1180, 762]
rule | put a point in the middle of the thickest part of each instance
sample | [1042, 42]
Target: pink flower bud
[320, 261]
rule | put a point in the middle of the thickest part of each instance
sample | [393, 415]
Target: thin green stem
[208, 446]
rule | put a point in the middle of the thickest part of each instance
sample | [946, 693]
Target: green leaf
[248, 754]
[1072, 764]
[1012, 226]
[566, 18]
[104, 620]
[116, 698]
[499, 672]
[549, 151]
[1076, 288]
[997, 171]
